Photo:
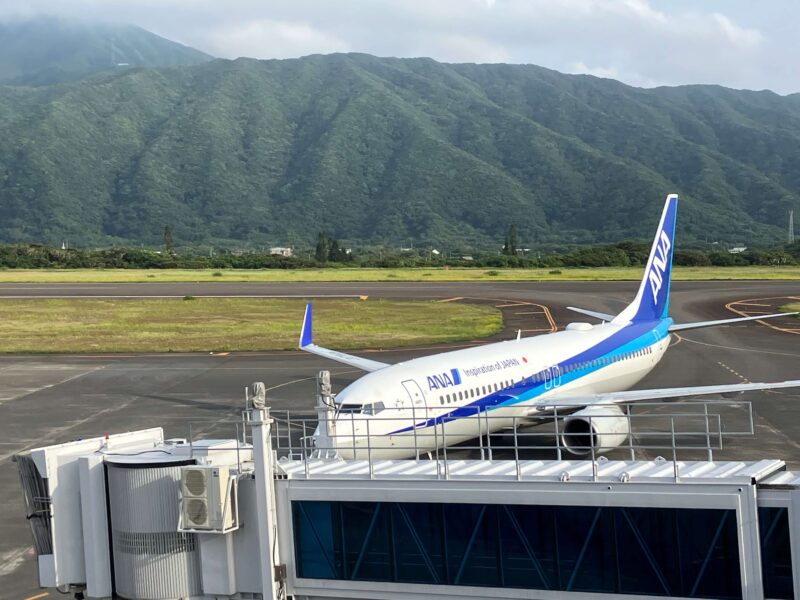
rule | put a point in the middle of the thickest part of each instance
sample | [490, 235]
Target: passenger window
[441, 400]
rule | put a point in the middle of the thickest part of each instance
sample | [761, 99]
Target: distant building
[280, 251]
[737, 249]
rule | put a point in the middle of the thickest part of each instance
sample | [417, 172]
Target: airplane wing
[592, 313]
[661, 394]
[307, 344]
[698, 325]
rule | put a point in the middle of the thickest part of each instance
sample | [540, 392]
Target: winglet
[306, 337]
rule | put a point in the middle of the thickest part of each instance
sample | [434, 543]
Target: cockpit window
[350, 408]
[373, 409]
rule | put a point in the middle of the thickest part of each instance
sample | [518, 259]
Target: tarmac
[50, 399]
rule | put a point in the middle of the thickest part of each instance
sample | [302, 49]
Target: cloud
[272, 39]
[641, 42]
[737, 35]
[580, 68]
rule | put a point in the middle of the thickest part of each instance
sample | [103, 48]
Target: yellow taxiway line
[752, 302]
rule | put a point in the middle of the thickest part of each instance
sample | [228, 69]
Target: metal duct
[152, 560]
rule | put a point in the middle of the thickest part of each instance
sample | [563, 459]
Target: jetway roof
[653, 471]
[782, 480]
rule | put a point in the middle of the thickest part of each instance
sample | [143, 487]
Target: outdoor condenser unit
[208, 499]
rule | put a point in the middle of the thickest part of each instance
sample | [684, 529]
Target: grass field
[226, 324]
[433, 274]
[792, 308]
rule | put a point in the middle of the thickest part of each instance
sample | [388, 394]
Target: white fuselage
[444, 399]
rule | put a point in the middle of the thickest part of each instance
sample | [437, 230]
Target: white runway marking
[10, 561]
[752, 350]
[11, 393]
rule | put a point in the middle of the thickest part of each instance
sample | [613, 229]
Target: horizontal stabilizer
[592, 313]
[664, 393]
[307, 344]
[699, 324]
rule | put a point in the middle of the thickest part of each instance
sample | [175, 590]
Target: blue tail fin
[652, 300]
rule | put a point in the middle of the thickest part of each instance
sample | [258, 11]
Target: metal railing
[685, 429]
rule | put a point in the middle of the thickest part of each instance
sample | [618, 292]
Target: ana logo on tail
[656, 275]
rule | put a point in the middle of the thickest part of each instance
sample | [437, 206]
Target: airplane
[418, 406]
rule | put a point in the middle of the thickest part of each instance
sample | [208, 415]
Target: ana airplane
[420, 405]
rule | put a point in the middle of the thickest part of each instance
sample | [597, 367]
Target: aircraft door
[418, 404]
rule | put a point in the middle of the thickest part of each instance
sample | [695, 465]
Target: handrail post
[369, 454]
[630, 432]
[591, 447]
[414, 428]
[353, 432]
[444, 452]
[709, 451]
[558, 437]
[674, 450]
[516, 449]
[488, 436]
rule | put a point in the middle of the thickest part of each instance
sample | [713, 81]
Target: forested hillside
[374, 149]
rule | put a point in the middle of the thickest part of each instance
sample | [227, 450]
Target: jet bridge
[264, 514]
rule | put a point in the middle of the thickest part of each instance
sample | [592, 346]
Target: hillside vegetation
[375, 149]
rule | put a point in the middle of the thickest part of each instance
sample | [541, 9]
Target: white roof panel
[653, 471]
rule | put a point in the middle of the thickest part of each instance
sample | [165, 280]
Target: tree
[334, 253]
[168, 243]
[510, 245]
[323, 247]
[512, 240]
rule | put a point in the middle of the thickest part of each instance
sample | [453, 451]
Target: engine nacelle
[600, 427]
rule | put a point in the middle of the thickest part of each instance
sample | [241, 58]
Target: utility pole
[791, 226]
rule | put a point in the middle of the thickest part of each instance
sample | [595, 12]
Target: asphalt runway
[51, 399]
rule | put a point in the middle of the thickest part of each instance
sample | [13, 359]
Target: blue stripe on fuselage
[630, 338]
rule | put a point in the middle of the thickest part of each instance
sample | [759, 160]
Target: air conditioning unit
[208, 499]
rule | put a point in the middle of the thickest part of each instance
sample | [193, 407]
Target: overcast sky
[737, 43]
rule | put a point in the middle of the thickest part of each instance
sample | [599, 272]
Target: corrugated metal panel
[152, 560]
[544, 470]
[784, 480]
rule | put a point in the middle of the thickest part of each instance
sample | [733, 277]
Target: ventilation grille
[197, 512]
[195, 482]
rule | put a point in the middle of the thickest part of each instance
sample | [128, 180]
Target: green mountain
[375, 149]
[48, 50]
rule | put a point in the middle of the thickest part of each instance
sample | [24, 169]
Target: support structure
[269, 555]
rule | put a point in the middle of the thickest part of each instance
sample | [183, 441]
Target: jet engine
[600, 427]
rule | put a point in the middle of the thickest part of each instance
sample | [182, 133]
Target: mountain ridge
[380, 149]
[46, 50]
